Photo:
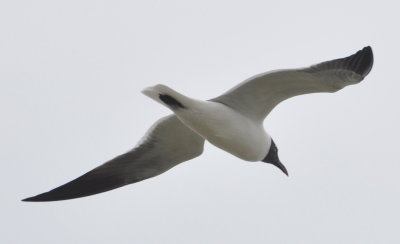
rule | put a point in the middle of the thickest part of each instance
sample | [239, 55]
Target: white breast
[227, 129]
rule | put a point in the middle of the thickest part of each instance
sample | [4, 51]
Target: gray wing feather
[167, 143]
[257, 96]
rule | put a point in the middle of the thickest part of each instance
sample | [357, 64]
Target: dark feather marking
[361, 63]
[170, 101]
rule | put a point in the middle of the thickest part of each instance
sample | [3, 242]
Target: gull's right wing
[257, 96]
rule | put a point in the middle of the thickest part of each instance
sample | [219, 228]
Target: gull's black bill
[272, 158]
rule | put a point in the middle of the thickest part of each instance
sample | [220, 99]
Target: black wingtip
[29, 199]
[361, 62]
[56, 194]
[51, 197]
[40, 198]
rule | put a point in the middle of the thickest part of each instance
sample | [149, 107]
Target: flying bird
[233, 122]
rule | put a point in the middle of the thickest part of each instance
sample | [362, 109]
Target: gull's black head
[272, 158]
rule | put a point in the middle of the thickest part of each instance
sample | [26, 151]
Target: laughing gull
[232, 122]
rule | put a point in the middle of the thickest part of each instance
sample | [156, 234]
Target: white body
[227, 129]
[219, 124]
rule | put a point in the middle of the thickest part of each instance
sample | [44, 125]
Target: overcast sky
[71, 73]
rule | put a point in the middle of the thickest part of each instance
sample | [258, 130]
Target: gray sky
[71, 73]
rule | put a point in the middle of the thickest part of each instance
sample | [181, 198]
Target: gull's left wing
[166, 144]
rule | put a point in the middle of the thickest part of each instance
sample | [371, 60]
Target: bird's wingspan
[167, 143]
[258, 95]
